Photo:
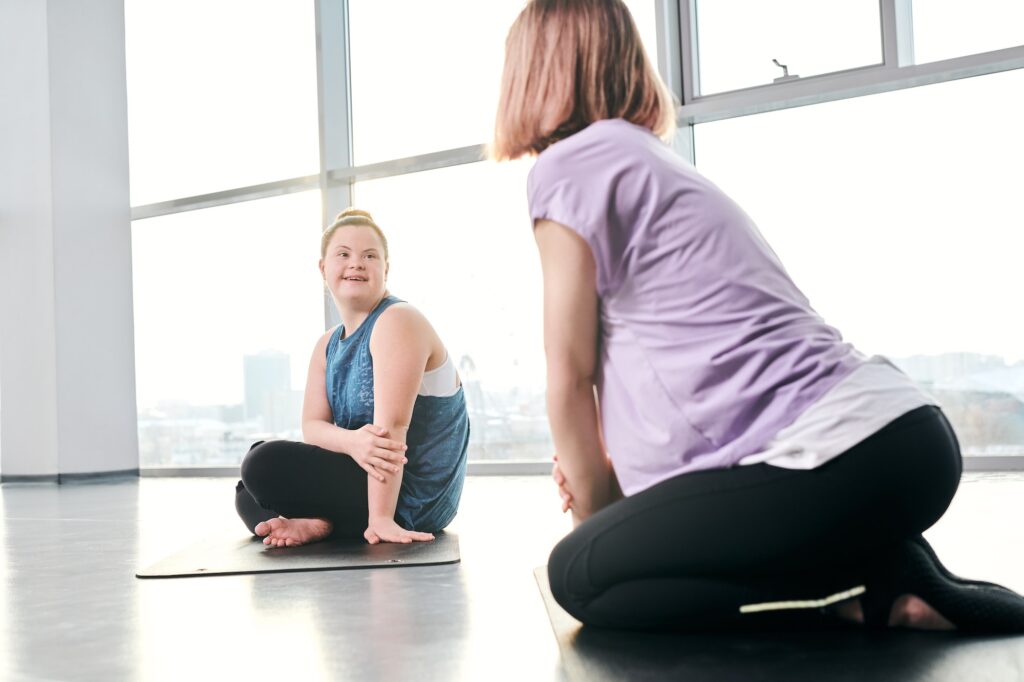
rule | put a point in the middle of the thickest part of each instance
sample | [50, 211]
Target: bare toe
[294, 532]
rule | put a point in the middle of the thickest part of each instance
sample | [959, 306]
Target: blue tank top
[438, 436]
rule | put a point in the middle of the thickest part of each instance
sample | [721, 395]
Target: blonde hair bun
[351, 212]
[352, 216]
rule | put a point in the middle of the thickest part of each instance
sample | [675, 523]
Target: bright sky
[894, 213]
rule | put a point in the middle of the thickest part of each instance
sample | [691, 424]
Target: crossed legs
[293, 493]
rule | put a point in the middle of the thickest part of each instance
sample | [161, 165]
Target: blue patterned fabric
[438, 436]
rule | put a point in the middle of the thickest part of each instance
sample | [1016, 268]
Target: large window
[904, 233]
[895, 212]
[228, 306]
[227, 299]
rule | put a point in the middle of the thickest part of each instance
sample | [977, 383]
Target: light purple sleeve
[559, 192]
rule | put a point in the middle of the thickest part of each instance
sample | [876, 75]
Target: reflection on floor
[70, 607]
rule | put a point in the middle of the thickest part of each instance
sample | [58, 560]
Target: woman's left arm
[400, 346]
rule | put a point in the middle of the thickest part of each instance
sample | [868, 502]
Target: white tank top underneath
[873, 395]
[442, 381]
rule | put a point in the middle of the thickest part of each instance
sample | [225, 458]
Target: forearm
[326, 435]
[382, 496]
[572, 413]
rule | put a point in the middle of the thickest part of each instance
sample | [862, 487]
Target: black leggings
[690, 551]
[298, 480]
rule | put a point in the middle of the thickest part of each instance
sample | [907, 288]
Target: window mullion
[687, 18]
[669, 57]
[897, 32]
[335, 114]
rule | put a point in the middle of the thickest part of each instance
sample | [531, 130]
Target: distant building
[948, 368]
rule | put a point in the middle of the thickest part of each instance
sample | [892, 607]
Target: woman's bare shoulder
[404, 323]
[403, 317]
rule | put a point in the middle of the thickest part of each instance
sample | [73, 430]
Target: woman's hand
[386, 530]
[375, 453]
[563, 490]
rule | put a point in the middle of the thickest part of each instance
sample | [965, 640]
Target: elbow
[568, 381]
[565, 396]
[569, 371]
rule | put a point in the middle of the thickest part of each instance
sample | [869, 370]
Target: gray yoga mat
[232, 555]
[836, 654]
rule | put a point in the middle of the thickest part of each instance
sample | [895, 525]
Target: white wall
[67, 370]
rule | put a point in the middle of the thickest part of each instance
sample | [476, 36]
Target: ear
[322, 273]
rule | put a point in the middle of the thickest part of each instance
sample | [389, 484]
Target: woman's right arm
[570, 346]
[368, 446]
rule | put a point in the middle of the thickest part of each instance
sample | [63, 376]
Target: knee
[568, 577]
[261, 462]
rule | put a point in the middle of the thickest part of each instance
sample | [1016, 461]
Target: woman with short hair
[738, 463]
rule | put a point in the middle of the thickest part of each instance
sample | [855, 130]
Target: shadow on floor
[596, 655]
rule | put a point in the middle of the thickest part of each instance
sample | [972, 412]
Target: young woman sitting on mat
[384, 419]
[738, 458]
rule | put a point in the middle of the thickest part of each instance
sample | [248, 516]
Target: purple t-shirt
[707, 347]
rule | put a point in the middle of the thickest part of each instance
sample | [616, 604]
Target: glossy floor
[70, 608]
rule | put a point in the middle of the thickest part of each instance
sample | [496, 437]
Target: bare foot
[913, 612]
[282, 532]
[907, 611]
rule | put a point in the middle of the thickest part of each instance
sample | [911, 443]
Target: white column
[67, 368]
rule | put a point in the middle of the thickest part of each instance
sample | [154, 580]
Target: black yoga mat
[231, 555]
[836, 654]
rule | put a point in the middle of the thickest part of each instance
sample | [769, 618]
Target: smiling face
[353, 266]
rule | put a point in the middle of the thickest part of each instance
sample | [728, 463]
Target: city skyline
[982, 395]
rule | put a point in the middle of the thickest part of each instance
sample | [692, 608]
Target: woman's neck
[353, 315]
